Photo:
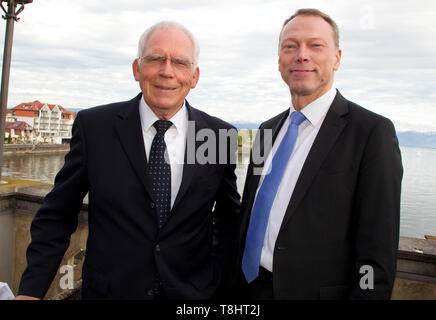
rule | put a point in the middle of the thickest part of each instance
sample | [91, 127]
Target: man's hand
[25, 298]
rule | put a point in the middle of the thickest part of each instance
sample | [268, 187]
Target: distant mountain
[246, 125]
[74, 109]
[405, 138]
[417, 139]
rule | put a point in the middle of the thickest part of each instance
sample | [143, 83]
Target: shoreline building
[19, 130]
[51, 123]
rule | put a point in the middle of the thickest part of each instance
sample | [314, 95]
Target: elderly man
[158, 229]
[322, 220]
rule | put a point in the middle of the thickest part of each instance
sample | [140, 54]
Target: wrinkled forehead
[170, 39]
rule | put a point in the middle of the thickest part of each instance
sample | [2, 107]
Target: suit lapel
[330, 130]
[129, 130]
[265, 149]
[253, 177]
[195, 124]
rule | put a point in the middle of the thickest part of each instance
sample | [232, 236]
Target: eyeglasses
[158, 60]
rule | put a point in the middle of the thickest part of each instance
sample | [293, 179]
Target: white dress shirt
[315, 113]
[175, 139]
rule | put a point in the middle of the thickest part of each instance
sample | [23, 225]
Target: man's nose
[166, 68]
[302, 54]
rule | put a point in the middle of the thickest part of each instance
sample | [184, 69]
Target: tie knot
[297, 118]
[162, 126]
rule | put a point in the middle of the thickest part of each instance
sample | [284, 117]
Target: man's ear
[338, 59]
[195, 77]
[135, 69]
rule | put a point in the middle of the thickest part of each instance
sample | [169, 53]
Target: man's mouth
[298, 71]
[166, 88]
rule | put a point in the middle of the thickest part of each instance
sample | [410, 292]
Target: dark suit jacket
[344, 211]
[125, 249]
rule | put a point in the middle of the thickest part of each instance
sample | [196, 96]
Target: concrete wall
[405, 289]
[7, 222]
[416, 271]
[22, 240]
[16, 214]
[35, 148]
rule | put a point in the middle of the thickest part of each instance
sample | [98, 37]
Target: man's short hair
[163, 25]
[315, 12]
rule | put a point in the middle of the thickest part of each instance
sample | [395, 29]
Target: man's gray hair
[163, 25]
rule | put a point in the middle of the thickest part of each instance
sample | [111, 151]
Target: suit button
[152, 205]
[157, 247]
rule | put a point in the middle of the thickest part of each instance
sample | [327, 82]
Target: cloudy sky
[79, 53]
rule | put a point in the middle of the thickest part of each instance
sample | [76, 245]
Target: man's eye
[180, 61]
[155, 58]
[151, 59]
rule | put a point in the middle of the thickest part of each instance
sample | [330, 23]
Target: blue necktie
[265, 198]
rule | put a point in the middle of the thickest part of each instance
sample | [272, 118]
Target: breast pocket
[95, 286]
[332, 169]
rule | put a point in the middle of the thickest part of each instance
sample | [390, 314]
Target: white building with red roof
[50, 122]
[19, 131]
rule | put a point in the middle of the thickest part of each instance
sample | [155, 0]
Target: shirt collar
[179, 120]
[317, 109]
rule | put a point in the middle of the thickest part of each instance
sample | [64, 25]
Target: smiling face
[308, 58]
[163, 85]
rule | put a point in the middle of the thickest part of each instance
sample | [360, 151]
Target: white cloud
[79, 54]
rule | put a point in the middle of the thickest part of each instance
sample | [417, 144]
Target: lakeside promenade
[10, 149]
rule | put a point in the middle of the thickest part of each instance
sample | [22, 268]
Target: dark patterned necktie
[159, 171]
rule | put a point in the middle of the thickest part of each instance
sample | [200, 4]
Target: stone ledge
[70, 294]
[11, 149]
[416, 266]
[423, 250]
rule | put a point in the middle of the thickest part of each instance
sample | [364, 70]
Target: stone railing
[416, 270]
[17, 209]
[35, 148]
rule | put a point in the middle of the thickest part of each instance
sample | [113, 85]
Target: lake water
[418, 201]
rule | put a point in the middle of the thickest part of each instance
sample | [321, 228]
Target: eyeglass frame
[176, 62]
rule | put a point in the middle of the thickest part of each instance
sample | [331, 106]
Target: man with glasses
[160, 227]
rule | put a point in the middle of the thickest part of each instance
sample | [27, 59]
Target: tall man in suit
[322, 220]
[158, 229]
